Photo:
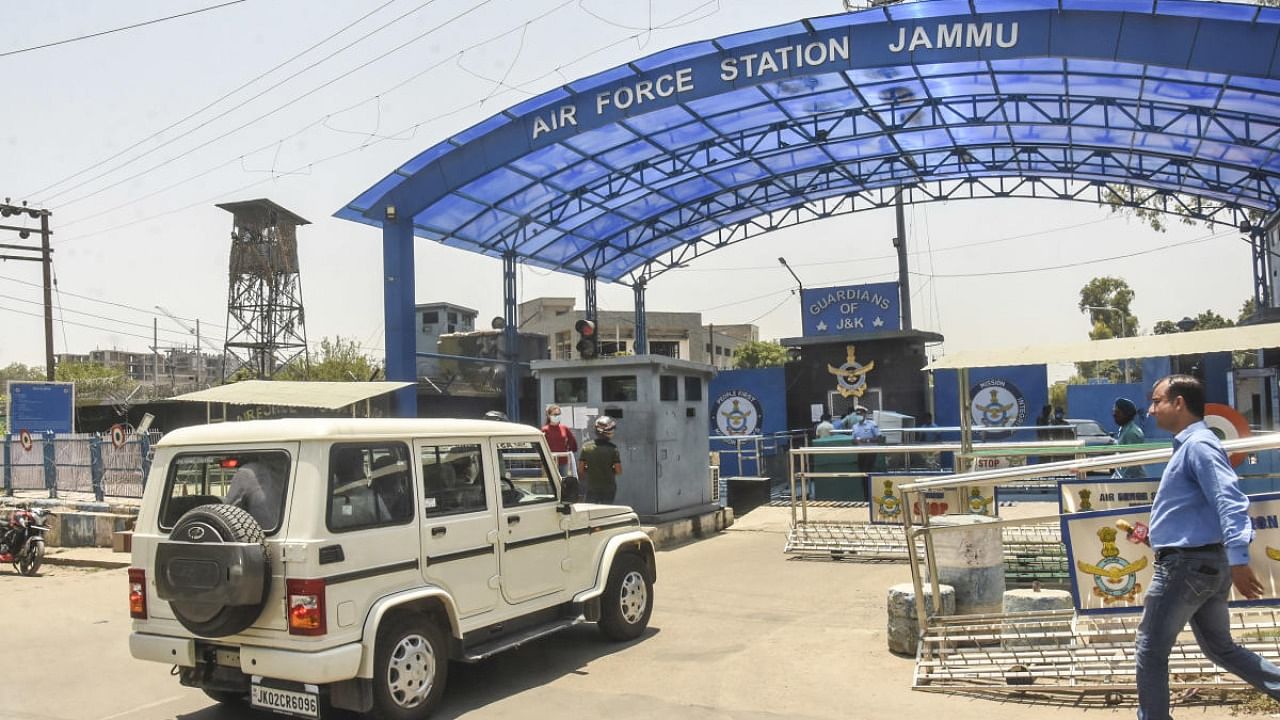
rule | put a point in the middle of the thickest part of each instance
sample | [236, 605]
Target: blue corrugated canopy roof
[643, 167]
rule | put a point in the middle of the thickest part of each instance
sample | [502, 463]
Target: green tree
[1106, 300]
[1210, 320]
[340, 360]
[14, 371]
[94, 382]
[759, 354]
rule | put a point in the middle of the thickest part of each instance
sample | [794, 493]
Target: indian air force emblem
[738, 413]
[1114, 578]
[997, 403]
[851, 377]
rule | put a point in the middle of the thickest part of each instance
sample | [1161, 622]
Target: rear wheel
[411, 665]
[628, 599]
[30, 561]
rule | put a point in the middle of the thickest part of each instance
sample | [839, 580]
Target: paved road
[738, 631]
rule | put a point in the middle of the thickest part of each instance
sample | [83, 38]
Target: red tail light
[138, 593]
[306, 606]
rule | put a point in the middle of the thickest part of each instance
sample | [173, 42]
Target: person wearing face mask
[560, 439]
[866, 432]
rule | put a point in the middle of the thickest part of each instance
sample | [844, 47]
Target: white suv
[294, 564]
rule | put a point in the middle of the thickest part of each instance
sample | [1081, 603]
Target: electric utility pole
[42, 254]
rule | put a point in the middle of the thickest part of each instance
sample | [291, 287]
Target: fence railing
[79, 462]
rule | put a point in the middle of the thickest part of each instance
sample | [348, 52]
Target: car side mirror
[570, 490]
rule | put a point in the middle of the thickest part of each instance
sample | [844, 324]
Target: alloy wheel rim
[634, 597]
[411, 670]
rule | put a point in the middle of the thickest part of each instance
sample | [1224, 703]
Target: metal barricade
[1061, 651]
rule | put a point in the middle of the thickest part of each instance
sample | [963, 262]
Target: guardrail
[79, 462]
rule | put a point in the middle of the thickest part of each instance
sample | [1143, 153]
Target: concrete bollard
[904, 627]
[972, 561]
[1029, 601]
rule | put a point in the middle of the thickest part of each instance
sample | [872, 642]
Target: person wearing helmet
[600, 464]
[497, 415]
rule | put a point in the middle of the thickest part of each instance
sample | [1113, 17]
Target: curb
[677, 532]
[86, 562]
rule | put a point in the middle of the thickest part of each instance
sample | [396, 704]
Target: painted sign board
[886, 500]
[851, 309]
[40, 407]
[1109, 574]
[1105, 494]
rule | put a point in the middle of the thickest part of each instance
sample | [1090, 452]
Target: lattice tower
[265, 320]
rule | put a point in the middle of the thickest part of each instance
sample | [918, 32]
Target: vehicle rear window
[370, 485]
[253, 480]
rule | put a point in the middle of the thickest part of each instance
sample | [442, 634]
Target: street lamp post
[800, 286]
[1124, 363]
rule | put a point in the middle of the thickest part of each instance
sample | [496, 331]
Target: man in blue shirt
[1200, 531]
[865, 432]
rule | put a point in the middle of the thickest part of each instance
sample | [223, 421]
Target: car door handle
[438, 531]
[513, 519]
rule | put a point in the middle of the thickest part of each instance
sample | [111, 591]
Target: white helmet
[605, 424]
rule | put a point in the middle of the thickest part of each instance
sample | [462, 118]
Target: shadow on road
[473, 686]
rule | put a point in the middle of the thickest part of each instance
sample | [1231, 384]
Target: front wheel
[29, 562]
[411, 664]
[628, 599]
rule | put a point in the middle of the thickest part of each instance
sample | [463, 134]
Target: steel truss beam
[1173, 153]
[1096, 193]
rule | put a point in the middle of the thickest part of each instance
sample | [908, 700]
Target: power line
[78, 324]
[171, 126]
[1082, 263]
[108, 302]
[135, 199]
[119, 29]
[357, 148]
[264, 115]
[863, 260]
[97, 317]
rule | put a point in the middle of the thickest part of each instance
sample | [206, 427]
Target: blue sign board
[40, 407]
[851, 309]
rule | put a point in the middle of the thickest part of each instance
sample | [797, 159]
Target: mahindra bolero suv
[295, 565]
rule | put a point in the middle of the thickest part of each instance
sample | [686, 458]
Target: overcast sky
[141, 230]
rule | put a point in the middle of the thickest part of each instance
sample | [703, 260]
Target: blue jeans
[1191, 586]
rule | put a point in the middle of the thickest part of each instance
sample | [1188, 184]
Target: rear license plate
[302, 703]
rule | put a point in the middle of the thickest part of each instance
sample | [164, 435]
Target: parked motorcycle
[22, 540]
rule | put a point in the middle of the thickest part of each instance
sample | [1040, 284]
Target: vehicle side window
[252, 480]
[526, 478]
[452, 479]
[369, 486]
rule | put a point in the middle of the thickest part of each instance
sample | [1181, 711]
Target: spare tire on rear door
[214, 570]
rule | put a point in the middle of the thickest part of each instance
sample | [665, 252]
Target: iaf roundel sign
[997, 403]
[738, 412]
[24, 439]
[1228, 424]
[117, 436]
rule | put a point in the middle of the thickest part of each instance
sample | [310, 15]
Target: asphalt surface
[739, 630]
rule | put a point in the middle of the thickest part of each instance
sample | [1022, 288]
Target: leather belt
[1165, 552]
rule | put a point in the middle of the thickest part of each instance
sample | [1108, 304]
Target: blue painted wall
[767, 387]
[1030, 381]
[1094, 402]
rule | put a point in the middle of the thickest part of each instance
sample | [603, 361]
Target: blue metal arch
[1179, 96]
[626, 173]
